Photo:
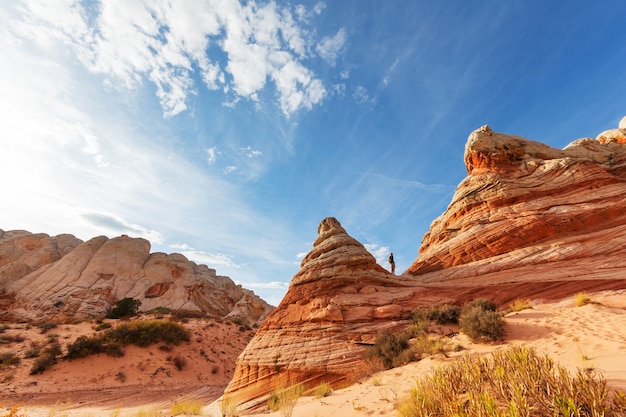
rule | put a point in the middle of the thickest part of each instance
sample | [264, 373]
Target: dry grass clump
[284, 399]
[323, 390]
[520, 304]
[581, 299]
[512, 382]
[187, 407]
[141, 333]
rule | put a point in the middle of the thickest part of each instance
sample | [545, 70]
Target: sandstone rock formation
[62, 278]
[529, 221]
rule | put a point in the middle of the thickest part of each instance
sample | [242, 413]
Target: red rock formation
[62, 278]
[529, 221]
[526, 204]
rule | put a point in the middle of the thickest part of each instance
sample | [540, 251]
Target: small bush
[103, 326]
[481, 325]
[126, 307]
[179, 362]
[44, 327]
[391, 349]
[444, 314]
[8, 359]
[47, 358]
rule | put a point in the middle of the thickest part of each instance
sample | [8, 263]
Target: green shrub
[126, 307]
[8, 359]
[140, 333]
[512, 382]
[46, 359]
[443, 314]
[103, 326]
[481, 325]
[391, 349]
[44, 327]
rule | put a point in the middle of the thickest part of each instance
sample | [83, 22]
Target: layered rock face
[529, 221]
[336, 305]
[527, 209]
[62, 278]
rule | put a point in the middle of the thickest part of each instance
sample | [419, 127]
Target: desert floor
[589, 336]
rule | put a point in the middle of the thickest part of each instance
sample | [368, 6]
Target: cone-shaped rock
[337, 303]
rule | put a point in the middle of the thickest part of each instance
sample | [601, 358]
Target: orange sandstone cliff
[529, 221]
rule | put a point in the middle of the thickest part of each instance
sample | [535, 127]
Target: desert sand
[588, 336]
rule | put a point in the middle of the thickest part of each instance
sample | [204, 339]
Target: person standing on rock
[392, 263]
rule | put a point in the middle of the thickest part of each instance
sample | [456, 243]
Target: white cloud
[210, 259]
[381, 253]
[116, 226]
[330, 47]
[361, 95]
[230, 169]
[279, 285]
[212, 154]
[250, 153]
[166, 42]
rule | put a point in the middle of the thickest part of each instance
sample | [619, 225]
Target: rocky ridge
[62, 278]
[529, 221]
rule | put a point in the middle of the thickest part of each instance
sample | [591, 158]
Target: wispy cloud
[167, 42]
[115, 225]
[331, 46]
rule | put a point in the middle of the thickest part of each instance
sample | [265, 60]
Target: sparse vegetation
[179, 362]
[103, 326]
[520, 304]
[581, 299]
[390, 350]
[141, 333]
[444, 314]
[46, 359]
[228, 406]
[480, 321]
[186, 407]
[44, 327]
[512, 382]
[126, 307]
[8, 359]
[284, 399]
[323, 390]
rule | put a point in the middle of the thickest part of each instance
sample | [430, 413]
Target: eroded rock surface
[62, 278]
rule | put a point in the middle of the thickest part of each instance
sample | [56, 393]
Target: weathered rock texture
[529, 221]
[62, 278]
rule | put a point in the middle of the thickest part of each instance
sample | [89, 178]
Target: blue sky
[227, 131]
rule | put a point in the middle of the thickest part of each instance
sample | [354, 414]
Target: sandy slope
[593, 335]
[143, 377]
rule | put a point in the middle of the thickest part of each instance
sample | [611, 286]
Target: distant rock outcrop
[62, 278]
[529, 221]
